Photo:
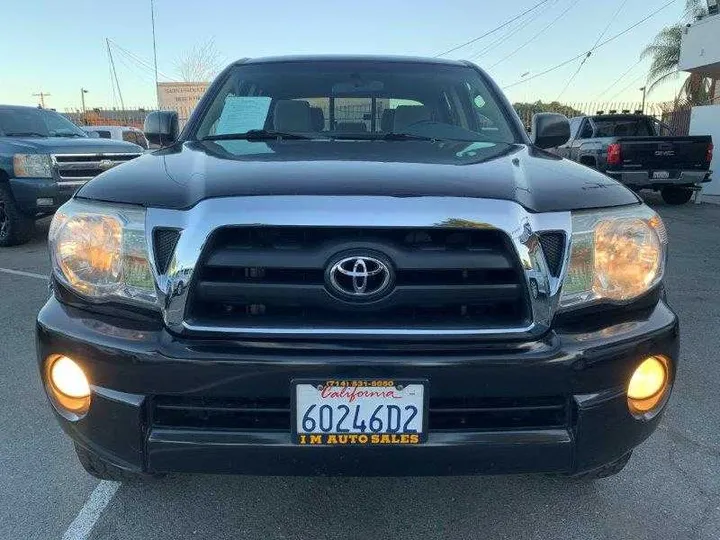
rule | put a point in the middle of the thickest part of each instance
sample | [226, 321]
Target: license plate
[359, 412]
[661, 175]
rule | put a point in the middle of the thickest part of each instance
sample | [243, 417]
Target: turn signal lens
[648, 385]
[69, 378]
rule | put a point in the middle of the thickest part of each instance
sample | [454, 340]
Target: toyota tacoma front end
[358, 266]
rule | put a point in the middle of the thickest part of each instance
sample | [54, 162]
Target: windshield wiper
[392, 136]
[257, 135]
[24, 134]
[68, 135]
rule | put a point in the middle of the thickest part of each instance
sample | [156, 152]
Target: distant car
[44, 159]
[118, 133]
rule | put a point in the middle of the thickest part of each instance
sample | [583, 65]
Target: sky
[59, 47]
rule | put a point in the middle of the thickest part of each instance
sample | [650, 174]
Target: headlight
[100, 251]
[616, 255]
[32, 165]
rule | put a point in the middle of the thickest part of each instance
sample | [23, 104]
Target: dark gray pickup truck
[631, 148]
[44, 159]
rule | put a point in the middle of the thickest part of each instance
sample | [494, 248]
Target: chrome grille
[446, 278]
[79, 168]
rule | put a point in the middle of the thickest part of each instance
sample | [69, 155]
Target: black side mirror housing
[549, 130]
[161, 127]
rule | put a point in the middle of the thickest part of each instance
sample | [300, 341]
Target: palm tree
[665, 54]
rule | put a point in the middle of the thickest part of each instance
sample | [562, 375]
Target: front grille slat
[316, 295]
[446, 414]
[74, 167]
[274, 277]
[407, 260]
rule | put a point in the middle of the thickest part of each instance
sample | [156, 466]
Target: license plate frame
[295, 434]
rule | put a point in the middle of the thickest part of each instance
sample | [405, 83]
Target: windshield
[18, 122]
[357, 101]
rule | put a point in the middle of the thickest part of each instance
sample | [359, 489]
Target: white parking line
[23, 273]
[83, 524]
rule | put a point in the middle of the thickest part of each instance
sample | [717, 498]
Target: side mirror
[549, 130]
[161, 127]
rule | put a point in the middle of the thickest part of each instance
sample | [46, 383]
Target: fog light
[68, 384]
[648, 385]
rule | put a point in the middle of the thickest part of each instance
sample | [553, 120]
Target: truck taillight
[614, 154]
[709, 155]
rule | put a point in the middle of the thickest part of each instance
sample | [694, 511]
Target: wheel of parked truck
[15, 227]
[609, 469]
[104, 470]
[675, 195]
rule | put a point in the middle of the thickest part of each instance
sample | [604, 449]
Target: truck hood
[180, 176]
[68, 145]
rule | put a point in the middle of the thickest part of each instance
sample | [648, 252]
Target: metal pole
[644, 91]
[152, 19]
[82, 99]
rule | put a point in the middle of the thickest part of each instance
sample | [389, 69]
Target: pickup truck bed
[638, 157]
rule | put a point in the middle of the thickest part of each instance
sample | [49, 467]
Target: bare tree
[199, 64]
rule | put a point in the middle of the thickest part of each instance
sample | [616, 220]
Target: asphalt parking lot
[670, 489]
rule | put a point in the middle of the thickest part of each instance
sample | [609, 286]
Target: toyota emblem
[359, 277]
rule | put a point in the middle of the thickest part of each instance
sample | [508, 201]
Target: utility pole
[152, 19]
[42, 96]
[644, 91]
[82, 99]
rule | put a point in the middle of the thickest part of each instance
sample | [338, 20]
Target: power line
[570, 80]
[503, 25]
[608, 40]
[634, 81]
[139, 61]
[521, 25]
[498, 41]
[541, 32]
[502, 39]
[612, 20]
[620, 78]
[602, 34]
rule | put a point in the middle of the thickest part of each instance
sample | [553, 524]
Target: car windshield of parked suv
[27, 122]
[357, 101]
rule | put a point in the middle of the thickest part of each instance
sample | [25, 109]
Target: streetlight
[82, 99]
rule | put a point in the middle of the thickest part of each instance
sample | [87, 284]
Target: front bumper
[644, 179]
[41, 195]
[131, 365]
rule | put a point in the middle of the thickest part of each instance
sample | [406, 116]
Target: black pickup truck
[361, 266]
[44, 159]
[632, 149]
